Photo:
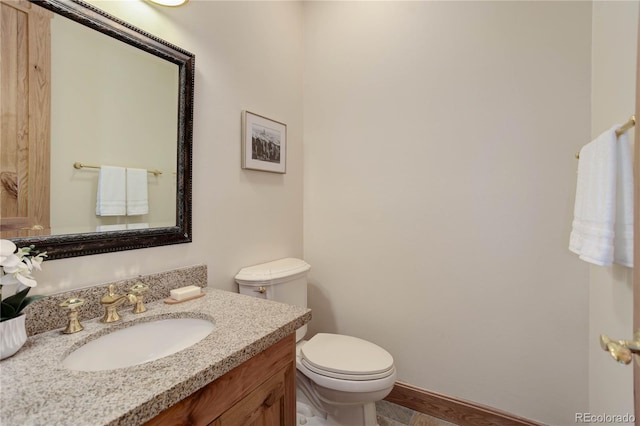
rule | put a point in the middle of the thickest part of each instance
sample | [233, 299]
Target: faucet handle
[110, 297]
[137, 290]
[73, 325]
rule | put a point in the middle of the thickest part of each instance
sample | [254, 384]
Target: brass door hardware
[33, 228]
[622, 350]
[73, 325]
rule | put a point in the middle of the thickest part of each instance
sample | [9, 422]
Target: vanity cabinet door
[260, 391]
[265, 406]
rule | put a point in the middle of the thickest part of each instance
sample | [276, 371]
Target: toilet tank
[283, 280]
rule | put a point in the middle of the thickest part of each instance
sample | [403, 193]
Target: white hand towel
[138, 226]
[108, 228]
[594, 212]
[623, 240]
[137, 198]
[111, 200]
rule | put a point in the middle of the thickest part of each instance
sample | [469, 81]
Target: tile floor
[390, 414]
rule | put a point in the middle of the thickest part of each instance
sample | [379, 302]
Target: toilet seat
[359, 387]
[346, 358]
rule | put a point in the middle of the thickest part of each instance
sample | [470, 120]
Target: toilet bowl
[339, 378]
[342, 377]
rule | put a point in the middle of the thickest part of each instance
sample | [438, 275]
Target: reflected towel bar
[79, 165]
[621, 130]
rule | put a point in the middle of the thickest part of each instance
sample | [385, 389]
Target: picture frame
[264, 143]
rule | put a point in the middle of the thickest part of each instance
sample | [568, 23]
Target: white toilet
[339, 378]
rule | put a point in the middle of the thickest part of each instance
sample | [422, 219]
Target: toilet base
[348, 415]
[314, 410]
[305, 417]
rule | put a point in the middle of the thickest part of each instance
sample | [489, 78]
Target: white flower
[7, 254]
[17, 265]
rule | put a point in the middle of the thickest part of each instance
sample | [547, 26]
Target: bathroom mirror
[133, 109]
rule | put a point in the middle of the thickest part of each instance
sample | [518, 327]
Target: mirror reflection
[96, 135]
[117, 109]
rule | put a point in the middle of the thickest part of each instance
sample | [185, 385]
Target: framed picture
[264, 143]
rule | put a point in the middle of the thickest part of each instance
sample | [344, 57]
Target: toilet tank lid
[274, 270]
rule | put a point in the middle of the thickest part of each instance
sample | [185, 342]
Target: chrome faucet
[111, 301]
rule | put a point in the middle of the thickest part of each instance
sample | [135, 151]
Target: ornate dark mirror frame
[71, 245]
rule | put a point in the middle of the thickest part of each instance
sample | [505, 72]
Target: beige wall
[248, 56]
[611, 289]
[439, 176]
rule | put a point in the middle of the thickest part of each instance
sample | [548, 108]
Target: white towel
[597, 194]
[111, 200]
[108, 228]
[121, 227]
[623, 240]
[138, 226]
[137, 198]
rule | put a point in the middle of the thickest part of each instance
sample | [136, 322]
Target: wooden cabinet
[25, 113]
[259, 392]
[263, 406]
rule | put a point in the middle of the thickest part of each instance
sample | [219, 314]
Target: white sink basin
[138, 344]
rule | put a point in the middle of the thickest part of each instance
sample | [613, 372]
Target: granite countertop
[38, 390]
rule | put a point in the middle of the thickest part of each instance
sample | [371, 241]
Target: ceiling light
[170, 3]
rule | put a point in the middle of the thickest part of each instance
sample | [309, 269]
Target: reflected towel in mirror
[138, 226]
[111, 199]
[109, 228]
[121, 227]
[137, 198]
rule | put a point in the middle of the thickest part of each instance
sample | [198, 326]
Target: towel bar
[626, 126]
[621, 130]
[79, 165]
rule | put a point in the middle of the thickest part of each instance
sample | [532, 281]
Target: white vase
[13, 334]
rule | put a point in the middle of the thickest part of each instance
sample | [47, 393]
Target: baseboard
[451, 409]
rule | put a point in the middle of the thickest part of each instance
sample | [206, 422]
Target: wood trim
[636, 239]
[452, 409]
[39, 73]
[290, 415]
[26, 116]
[23, 5]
